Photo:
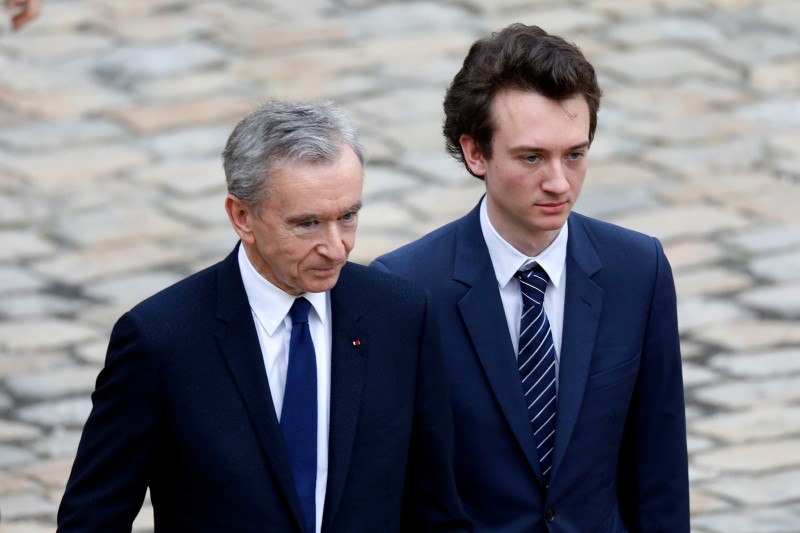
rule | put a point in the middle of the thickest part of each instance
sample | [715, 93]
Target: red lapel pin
[356, 342]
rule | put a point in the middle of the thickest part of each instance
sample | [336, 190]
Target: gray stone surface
[113, 115]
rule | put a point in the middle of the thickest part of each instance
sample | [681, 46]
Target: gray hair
[280, 132]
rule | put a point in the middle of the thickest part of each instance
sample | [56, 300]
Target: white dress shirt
[270, 307]
[507, 260]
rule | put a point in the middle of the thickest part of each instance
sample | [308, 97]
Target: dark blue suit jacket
[620, 461]
[183, 407]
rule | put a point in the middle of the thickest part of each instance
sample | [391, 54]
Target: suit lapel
[349, 350]
[483, 314]
[239, 344]
[582, 308]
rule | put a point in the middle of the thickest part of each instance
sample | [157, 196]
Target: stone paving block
[783, 76]
[387, 183]
[778, 113]
[189, 143]
[71, 413]
[60, 443]
[102, 261]
[701, 501]
[767, 238]
[770, 489]
[38, 135]
[198, 212]
[697, 313]
[27, 306]
[24, 505]
[749, 334]
[643, 32]
[17, 279]
[602, 203]
[31, 361]
[764, 520]
[12, 483]
[68, 101]
[692, 252]
[15, 244]
[68, 168]
[160, 27]
[299, 65]
[781, 300]
[755, 424]
[759, 363]
[710, 281]
[25, 526]
[694, 375]
[729, 188]
[779, 267]
[185, 177]
[51, 47]
[52, 383]
[617, 173]
[689, 221]
[94, 352]
[734, 394]
[781, 13]
[28, 334]
[128, 224]
[663, 64]
[130, 289]
[438, 168]
[11, 431]
[194, 84]
[777, 205]
[555, 20]
[419, 138]
[129, 64]
[752, 458]
[14, 455]
[151, 118]
[387, 18]
[724, 156]
[404, 105]
[52, 473]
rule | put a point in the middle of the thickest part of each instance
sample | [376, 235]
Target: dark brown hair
[519, 57]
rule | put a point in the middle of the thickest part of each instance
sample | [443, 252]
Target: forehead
[315, 185]
[529, 114]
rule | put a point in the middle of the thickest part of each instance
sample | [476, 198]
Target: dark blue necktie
[537, 365]
[299, 414]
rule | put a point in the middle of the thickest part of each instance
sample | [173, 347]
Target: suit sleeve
[109, 477]
[654, 481]
[431, 499]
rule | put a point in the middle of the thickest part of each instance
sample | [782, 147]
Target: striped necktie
[537, 365]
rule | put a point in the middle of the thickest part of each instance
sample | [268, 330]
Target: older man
[282, 389]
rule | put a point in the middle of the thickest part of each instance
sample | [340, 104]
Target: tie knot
[299, 310]
[532, 283]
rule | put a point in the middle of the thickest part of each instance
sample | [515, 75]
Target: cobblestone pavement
[113, 115]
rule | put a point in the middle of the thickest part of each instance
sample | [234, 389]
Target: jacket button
[550, 514]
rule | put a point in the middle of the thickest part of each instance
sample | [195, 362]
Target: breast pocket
[614, 375]
[394, 421]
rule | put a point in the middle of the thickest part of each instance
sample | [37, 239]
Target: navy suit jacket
[620, 461]
[183, 407]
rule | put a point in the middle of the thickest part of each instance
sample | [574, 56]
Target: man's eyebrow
[526, 148]
[305, 217]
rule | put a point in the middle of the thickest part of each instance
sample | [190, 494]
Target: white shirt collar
[507, 260]
[268, 302]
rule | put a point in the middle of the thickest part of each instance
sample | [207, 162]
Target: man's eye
[531, 158]
[308, 224]
[348, 217]
[574, 156]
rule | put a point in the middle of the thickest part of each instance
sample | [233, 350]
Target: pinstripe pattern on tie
[537, 365]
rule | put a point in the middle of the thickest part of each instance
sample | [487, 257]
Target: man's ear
[240, 216]
[472, 155]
